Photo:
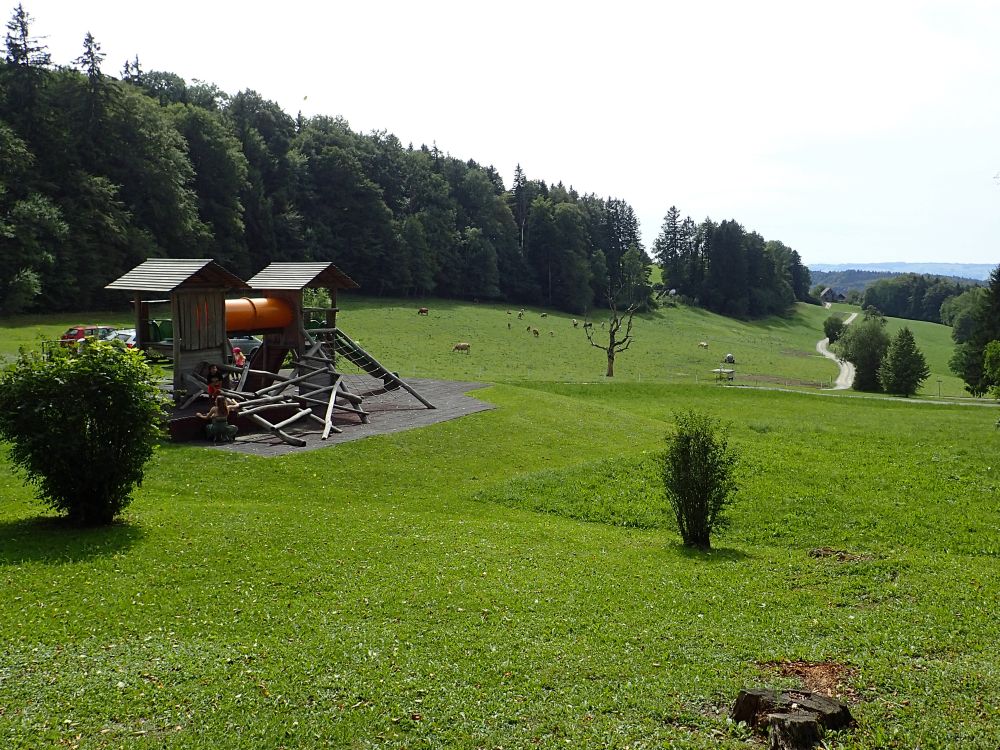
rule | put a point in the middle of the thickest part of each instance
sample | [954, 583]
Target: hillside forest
[98, 173]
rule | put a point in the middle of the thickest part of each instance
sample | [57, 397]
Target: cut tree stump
[794, 719]
[793, 731]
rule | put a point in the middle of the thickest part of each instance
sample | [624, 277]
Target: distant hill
[844, 281]
[977, 271]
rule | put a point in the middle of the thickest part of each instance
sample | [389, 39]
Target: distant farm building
[829, 294]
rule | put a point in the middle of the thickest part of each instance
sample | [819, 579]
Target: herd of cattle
[465, 346]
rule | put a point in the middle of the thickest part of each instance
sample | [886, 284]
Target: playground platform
[387, 412]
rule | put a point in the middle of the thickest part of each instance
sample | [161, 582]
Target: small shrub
[82, 426]
[698, 477]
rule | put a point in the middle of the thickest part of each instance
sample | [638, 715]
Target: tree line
[727, 269]
[98, 173]
[912, 296]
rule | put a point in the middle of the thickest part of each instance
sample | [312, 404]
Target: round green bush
[82, 425]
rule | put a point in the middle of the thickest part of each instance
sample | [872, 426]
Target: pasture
[510, 579]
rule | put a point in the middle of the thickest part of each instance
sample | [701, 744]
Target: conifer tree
[667, 249]
[903, 368]
[23, 49]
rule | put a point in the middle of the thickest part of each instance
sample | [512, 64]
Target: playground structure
[307, 339]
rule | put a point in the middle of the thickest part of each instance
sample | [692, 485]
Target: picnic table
[724, 373]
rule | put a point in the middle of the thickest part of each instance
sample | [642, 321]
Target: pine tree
[667, 249]
[903, 368]
[23, 49]
[22, 76]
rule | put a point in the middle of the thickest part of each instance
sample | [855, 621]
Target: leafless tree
[618, 319]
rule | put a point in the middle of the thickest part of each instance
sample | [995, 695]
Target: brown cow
[423, 311]
[462, 346]
[534, 332]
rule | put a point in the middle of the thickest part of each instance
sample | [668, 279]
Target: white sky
[852, 131]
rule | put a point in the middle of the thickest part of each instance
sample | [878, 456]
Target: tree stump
[795, 720]
[793, 731]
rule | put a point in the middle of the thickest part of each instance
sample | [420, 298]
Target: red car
[76, 333]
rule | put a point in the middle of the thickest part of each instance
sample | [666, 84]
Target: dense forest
[913, 296]
[98, 173]
[727, 269]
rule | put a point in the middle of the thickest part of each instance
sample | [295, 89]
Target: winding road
[846, 377]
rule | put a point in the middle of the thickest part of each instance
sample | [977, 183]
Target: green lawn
[777, 351]
[509, 579]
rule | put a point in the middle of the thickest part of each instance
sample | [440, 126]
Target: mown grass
[405, 590]
[30, 331]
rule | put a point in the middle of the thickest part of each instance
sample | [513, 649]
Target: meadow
[511, 579]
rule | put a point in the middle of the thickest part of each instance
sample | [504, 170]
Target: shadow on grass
[348, 301]
[714, 555]
[51, 539]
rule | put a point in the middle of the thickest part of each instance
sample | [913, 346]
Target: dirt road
[846, 377]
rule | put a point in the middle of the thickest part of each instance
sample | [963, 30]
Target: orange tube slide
[257, 314]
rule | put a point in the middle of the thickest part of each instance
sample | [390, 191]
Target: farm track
[846, 377]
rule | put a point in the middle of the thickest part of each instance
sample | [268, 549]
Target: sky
[854, 132]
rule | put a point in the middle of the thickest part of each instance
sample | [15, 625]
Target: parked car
[126, 336]
[246, 344]
[80, 332]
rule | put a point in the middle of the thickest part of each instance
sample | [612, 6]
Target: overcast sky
[851, 131]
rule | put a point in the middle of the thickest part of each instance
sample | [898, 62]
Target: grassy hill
[511, 578]
[773, 351]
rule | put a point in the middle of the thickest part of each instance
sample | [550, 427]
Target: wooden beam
[329, 407]
[278, 432]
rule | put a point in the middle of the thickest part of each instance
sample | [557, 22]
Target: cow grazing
[703, 344]
[575, 322]
[552, 333]
[462, 346]
[508, 325]
[423, 311]
[520, 315]
[534, 332]
[545, 315]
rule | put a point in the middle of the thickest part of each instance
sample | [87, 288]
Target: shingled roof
[167, 274]
[302, 276]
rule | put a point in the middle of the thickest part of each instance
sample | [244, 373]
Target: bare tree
[618, 319]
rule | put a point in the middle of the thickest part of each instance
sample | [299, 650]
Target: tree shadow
[714, 555]
[347, 301]
[53, 539]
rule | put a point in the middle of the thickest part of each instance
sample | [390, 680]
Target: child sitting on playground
[218, 427]
[217, 380]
